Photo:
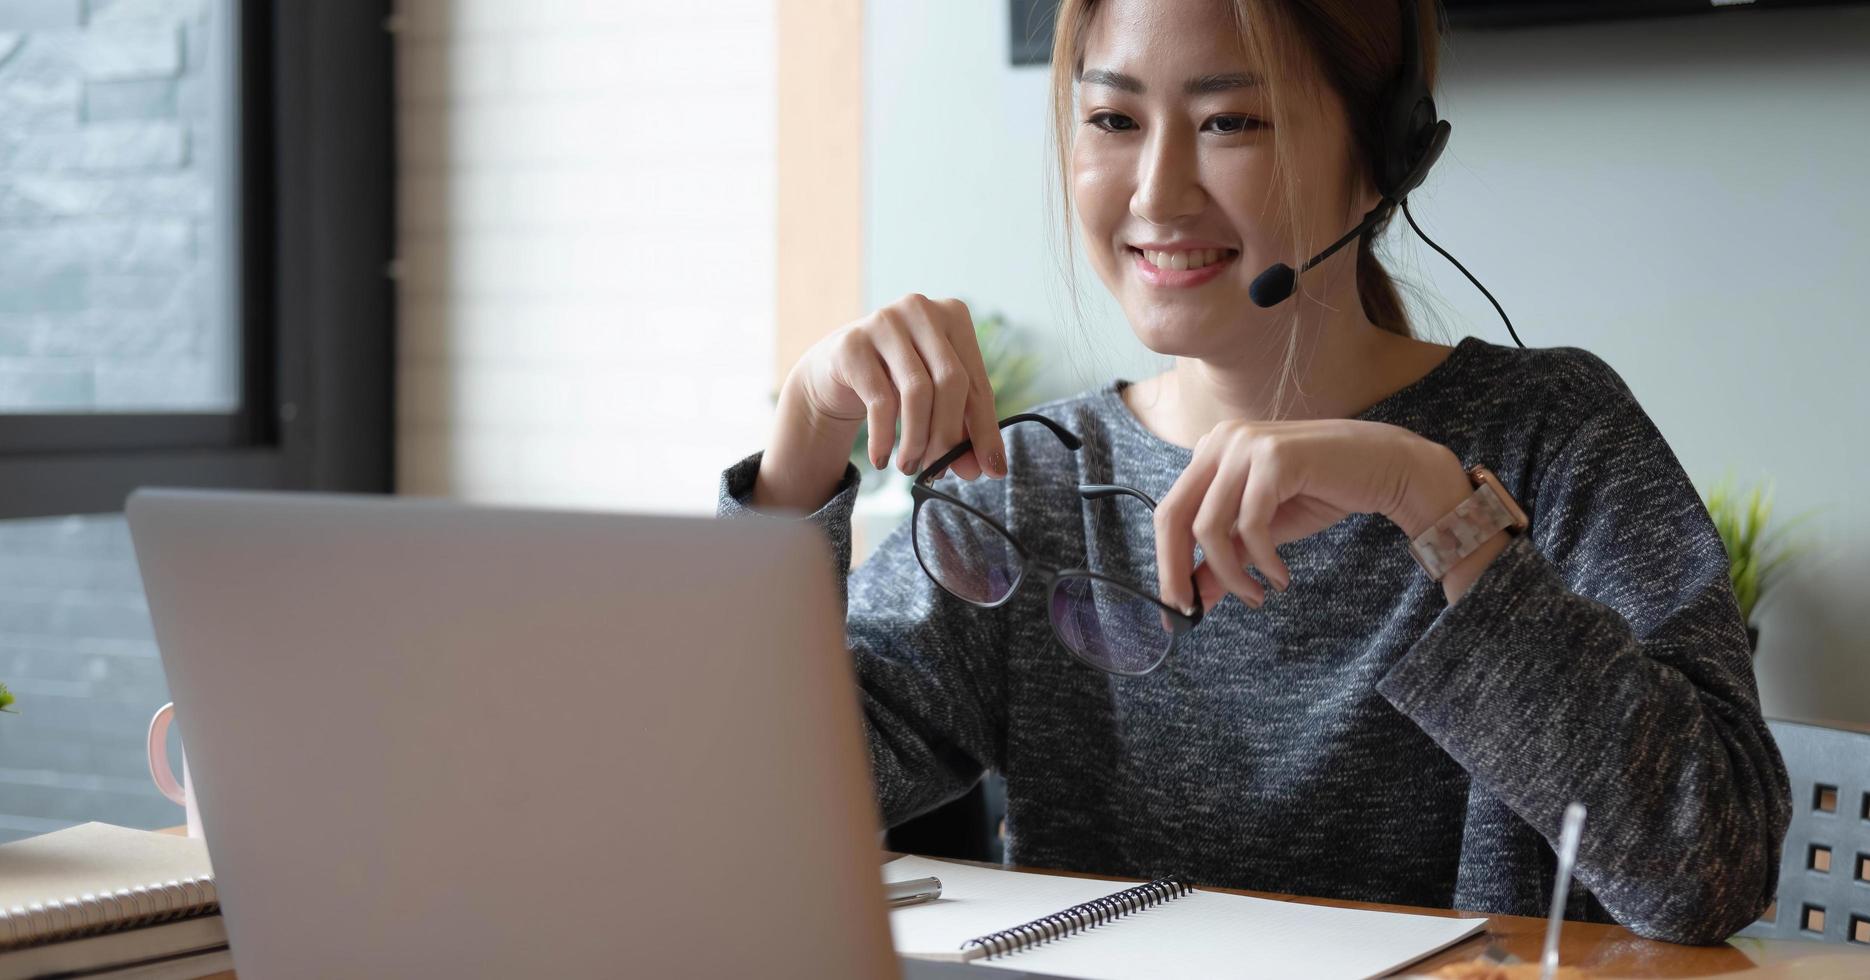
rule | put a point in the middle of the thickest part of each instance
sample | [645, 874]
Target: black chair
[967, 828]
[1824, 869]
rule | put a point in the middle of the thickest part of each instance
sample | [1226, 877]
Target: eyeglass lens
[1106, 625]
[1109, 626]
[964, 554]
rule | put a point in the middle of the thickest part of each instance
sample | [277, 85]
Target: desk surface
[1604, 950]
[1607, 950]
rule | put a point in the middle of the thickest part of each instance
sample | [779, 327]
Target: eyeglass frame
[922, 490]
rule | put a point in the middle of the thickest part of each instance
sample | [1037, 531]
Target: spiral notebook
[1107, 930]
[96, 896]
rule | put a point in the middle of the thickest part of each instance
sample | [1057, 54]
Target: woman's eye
[1112, 122]
[1235, 125]
[1102, 120]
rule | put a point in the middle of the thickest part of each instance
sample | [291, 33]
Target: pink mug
[165, 776]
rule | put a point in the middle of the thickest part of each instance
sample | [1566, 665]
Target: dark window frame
[317, 301]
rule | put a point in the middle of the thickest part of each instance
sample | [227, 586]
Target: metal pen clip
[911, 892]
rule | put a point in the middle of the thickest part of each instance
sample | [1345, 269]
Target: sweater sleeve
[928, 666]
[1601, 658]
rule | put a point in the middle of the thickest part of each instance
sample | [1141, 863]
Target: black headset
[1413, 138]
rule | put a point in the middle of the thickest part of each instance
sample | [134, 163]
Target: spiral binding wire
[90, 914]
[1087, 915]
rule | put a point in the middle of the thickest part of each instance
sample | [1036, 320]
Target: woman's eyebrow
[1204, 84]
[1199, 85]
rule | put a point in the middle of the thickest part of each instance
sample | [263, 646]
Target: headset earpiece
[1413, 135]
[1413, 138]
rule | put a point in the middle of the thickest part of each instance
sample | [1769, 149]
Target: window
[178, 306]
[120, 292]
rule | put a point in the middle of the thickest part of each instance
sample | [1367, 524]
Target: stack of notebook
[103, 901]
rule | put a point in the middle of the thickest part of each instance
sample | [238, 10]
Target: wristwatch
[1487, 511]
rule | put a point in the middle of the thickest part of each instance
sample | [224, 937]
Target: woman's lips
[1179, 278]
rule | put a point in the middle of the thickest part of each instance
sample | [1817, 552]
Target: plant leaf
[1758, 551]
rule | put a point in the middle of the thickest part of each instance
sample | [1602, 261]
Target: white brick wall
[112, 191]
[586, 241]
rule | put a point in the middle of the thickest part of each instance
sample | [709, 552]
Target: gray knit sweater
[1358, 737]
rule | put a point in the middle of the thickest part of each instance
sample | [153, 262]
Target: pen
[901, 893]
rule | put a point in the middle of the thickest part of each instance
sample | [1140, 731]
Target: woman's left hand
[1255, 485]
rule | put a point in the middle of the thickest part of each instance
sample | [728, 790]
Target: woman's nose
[1168, 184]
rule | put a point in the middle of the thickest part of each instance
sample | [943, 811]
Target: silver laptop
[430, 739]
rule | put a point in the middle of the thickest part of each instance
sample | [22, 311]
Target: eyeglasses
[1105, 622]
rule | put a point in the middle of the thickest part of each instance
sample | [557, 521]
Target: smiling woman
[1472, 584]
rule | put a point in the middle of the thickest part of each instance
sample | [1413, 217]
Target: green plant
[6, 700]
[1756, 557]
[1010, 370]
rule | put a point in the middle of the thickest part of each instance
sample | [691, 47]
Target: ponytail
[1377, 292]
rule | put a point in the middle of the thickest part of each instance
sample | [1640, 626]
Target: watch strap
[1464, 529]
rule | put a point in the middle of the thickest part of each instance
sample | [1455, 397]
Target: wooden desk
[1605, 950]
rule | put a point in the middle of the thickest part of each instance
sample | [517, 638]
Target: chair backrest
[1824, 869]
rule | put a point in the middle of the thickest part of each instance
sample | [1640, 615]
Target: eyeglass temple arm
[1098, 491]
[1064, 435]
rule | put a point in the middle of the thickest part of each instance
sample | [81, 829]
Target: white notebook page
[1205, 934]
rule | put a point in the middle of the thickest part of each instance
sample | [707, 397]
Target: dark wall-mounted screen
[1032, 31]
[1031, 20]
[1523, 13]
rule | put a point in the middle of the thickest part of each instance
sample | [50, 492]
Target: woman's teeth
[1182, 261]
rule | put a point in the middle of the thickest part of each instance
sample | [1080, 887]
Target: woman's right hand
[917, 360]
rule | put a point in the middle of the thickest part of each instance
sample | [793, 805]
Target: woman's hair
[1350, 48]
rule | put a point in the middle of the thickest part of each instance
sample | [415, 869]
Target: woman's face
[1174, 148]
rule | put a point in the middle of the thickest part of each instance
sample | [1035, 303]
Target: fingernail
[998, 462]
